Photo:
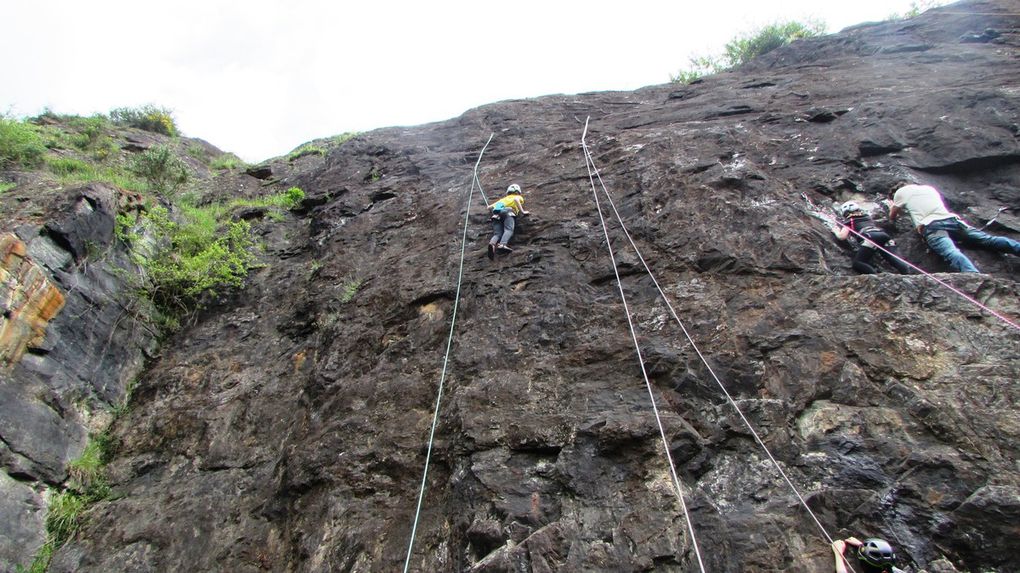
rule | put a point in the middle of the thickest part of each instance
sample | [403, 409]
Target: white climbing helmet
[514, 189]
[849, 207]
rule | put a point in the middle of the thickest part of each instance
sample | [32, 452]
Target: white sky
[260, 77]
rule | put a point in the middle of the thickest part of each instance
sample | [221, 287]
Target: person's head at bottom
[876, 555]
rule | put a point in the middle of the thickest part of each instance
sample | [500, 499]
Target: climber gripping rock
[873, 555]
[942, 228]
[855, 220]
[504, 219]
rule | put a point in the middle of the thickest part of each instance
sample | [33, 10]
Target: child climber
[854, 218]
[504, 215]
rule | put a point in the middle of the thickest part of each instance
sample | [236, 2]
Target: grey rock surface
[57, 392]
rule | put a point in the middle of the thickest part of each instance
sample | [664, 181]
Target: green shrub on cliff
[204, 256]
[194, 251]
[290, 198]
[165, 172]
[20, 144]
[147, 117]
[746, 47]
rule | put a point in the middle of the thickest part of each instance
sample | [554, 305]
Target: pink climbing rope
[967, 297]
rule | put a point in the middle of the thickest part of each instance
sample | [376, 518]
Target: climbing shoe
[492, 251]
[504, 249]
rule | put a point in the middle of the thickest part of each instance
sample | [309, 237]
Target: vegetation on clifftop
[746, 47]
[188, 248]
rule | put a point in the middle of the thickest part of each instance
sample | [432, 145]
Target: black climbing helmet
[876, 552]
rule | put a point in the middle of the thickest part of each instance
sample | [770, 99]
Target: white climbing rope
[477, 181]
[637, 347]
[697, 350]
[962, 294]
[446, 361]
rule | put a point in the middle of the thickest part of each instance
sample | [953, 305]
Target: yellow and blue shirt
[513, 202]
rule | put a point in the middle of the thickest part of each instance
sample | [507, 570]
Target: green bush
[91, 136]
[202, 256]
[294, 196]
[148, 117]
[20, 144]
[90, 129]
[162, 169]
[745, 48]
[196, 252]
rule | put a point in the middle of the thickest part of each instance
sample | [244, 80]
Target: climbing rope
[446, 361]
[478, 181]
[694, 345]
[992, 220]
[637, 347]
[828, 218]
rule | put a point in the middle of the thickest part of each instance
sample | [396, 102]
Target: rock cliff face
[286, 430]
[72, 338]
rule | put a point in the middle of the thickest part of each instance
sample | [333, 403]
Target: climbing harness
[446, 361]
[590, 164]
[818, 213]
[592, 168]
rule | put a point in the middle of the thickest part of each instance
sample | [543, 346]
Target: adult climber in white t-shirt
[942, 229]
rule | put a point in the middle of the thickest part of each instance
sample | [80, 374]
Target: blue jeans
[502, 227]
[941, 235]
